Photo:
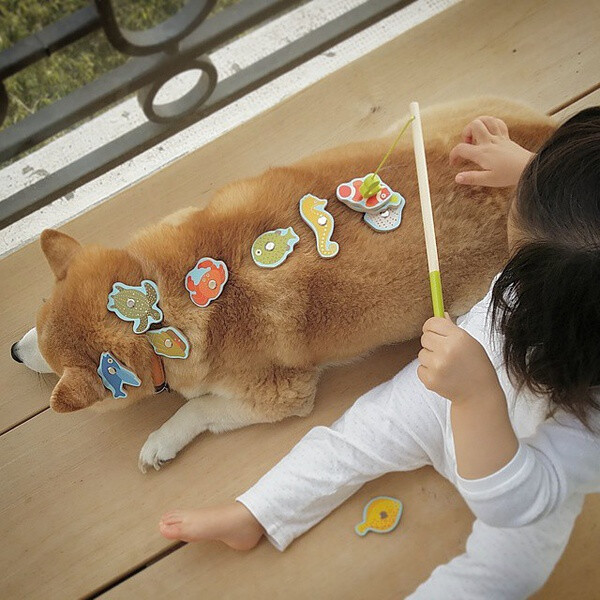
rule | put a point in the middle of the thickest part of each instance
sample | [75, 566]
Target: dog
[256, 350]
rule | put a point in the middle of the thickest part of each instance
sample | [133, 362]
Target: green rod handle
[437, 299]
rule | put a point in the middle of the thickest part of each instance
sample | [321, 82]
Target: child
[503, 404]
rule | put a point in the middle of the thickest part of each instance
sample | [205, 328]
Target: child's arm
[507, 482]
[456, 366]
[486, 143]
[559, 461]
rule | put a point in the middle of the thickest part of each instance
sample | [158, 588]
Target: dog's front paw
[156, 452]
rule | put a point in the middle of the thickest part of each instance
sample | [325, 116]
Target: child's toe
[171, 525]
[171, 531]
[171, 518]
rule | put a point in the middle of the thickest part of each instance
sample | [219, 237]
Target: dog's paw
[156, 452]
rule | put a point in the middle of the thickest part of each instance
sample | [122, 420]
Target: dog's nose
[13, 353]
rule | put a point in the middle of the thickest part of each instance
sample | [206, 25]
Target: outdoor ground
[77, 519]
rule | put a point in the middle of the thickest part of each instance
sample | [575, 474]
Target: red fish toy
[350, 194]
[206, 281]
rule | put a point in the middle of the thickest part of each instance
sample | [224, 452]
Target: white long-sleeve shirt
[525, 511]
[556, 456]
[561, 458]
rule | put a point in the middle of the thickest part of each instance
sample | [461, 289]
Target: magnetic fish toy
[114, 375]
[271, 248]
[206, 281]
[381, 515]
[169, 342]
[136, 303]
[312, 211]
[349, 193]
[389, 218]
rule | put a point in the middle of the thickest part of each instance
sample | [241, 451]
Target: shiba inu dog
[259, 340]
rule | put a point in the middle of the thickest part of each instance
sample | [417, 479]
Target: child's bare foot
[232, 524]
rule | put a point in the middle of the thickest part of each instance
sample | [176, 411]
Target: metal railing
[158, 54]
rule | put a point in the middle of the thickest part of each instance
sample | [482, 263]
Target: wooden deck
[77, 519]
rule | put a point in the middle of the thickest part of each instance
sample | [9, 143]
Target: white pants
[401, 426]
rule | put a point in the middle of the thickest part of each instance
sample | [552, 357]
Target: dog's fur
[257, 350]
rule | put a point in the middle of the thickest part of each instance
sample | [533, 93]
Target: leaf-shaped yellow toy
[380, 515]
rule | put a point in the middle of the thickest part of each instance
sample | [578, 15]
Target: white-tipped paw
[156, 452]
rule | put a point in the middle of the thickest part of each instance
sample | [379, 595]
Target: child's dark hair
[546, 301]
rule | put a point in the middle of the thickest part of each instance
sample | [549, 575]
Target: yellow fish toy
[169, 342]
[381, 515]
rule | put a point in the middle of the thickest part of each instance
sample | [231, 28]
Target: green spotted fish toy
[271, 248]
[136, 303]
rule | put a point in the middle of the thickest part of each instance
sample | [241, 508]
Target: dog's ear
[77, 388]
[59, 249]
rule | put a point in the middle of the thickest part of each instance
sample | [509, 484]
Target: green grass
[54, 77]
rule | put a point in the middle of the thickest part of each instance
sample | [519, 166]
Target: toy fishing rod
[435, 280]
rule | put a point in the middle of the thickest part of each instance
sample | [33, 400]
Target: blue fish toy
[114, 375]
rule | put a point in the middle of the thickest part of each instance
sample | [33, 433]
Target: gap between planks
[134, 571]
[590, 91]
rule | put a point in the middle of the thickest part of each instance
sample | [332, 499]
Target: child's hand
[486, 143]
[454, 364]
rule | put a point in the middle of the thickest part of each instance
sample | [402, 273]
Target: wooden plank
[76, 515]
[475, 47]
[330, 561]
